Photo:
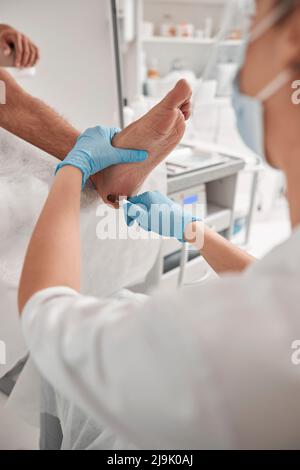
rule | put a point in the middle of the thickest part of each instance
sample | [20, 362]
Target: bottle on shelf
[208, 28]
[168, 27]
[139, 106]
[153, 69]
[186, 30]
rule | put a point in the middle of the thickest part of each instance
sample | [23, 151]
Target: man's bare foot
[158, 132]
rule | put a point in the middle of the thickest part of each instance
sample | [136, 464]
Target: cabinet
[146, 50]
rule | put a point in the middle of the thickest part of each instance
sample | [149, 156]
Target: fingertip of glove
[135, 156]
[141, 155]
[130, 222]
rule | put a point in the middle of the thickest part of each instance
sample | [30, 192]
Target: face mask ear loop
[230, 10]
[268, 22]
[271, 89]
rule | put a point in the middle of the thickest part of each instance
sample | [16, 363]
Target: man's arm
[32, 120]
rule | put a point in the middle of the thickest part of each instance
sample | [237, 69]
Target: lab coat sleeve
[206, 368]
[130, 367]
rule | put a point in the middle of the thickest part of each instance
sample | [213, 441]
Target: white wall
[76, 73]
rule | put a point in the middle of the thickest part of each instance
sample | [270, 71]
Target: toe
[186, 110]
[112, 200]
[180, 94]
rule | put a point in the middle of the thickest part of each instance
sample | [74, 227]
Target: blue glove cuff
[80, 160]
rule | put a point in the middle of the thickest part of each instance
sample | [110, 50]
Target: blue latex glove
[155, 212]
[93, 152]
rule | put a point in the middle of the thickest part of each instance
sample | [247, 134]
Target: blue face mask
[250, 110]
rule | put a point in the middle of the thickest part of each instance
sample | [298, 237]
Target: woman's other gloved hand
[155, 212]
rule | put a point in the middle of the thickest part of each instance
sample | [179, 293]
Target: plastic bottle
[139, 106]
[153, 69]
[208, 28]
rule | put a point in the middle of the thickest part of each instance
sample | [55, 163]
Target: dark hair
[288, 7]
[289, 4]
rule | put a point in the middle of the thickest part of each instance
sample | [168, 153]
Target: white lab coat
[205, 368]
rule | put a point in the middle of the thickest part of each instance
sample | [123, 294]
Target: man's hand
[25, 51]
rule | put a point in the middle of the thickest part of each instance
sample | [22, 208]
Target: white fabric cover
[26, 174]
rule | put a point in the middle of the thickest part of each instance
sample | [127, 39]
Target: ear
[290, 39]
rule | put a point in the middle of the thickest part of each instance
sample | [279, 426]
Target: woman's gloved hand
[93, 152]
[155, 212]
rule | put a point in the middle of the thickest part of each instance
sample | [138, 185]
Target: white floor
[14, 433]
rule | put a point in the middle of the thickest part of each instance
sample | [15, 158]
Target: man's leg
[158, 132]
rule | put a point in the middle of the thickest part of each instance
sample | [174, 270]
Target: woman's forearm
[220, 254]
[53, 255]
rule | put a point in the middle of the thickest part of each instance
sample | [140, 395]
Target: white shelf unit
[194, 52]
[185, 2]
[190, 41]
[176, 40]
[163, 49]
